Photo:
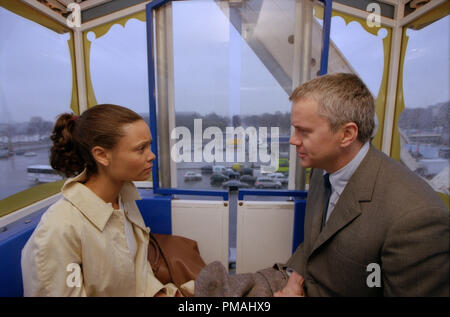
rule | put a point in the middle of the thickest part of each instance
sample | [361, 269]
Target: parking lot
[205, 181]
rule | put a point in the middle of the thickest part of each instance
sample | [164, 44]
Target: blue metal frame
[152, 97]
[299, 223]
[325, 36]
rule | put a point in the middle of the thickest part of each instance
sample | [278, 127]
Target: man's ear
[349, 134]
[101, 155]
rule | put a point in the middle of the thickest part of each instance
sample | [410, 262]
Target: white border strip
[80, 69]
[393, 76]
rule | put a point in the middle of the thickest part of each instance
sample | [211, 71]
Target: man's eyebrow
[301, 128]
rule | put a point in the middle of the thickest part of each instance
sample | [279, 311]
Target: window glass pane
[35, 86]
[357, 48]
[424, 124]
[118, 64]
[351, 49]
[232, 67]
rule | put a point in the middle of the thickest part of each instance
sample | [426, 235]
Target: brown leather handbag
[174, 259]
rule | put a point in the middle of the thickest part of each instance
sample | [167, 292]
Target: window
[232, 72]
[118, 65]
[360, 49]
[35, 87]
[423, 125]
[351, 54]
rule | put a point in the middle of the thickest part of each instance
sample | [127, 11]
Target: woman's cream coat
[79, 248]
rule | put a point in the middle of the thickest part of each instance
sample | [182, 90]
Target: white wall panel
[264, 234]
[207, 223]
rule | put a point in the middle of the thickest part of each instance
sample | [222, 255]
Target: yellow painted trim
[74, 102]
[318, 12]
[99, 31]
[91, 100]
[445, 198]
[380, 101]
[104, 28]
[28, 197]
[29, 13]
[399, 101]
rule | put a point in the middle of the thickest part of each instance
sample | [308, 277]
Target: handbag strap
[160, 253]
[152, 241]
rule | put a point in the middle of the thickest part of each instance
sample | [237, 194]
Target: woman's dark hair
[74, 137]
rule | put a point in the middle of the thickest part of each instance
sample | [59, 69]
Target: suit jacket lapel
[315, 201]
[344, 212]
[358, 189]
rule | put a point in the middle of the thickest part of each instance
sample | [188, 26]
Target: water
[14, 171]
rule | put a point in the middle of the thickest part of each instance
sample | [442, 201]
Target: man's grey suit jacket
[386, 215]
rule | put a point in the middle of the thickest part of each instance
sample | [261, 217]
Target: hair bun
[64, 156]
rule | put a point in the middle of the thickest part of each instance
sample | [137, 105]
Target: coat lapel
[359, 189]
[345, 211]
[315, 198]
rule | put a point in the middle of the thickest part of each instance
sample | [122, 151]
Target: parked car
[247, 171]
[279, 177]
[192, 176]
[249, 179]
[231, 174]
[4, 153]
[206, 169]
[218, 168]
[218, 178]
[272, 175]
[267, 182]
[234, 184]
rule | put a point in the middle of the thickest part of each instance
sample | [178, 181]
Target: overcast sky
[36, 75]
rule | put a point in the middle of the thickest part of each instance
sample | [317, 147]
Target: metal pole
[325, 36]
[301, 74]
[163, 77]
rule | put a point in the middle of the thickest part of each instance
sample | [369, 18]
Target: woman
[93, 242]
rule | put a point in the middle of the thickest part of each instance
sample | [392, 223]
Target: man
[372, 227]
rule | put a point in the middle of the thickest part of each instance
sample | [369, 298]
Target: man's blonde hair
[341, 98]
